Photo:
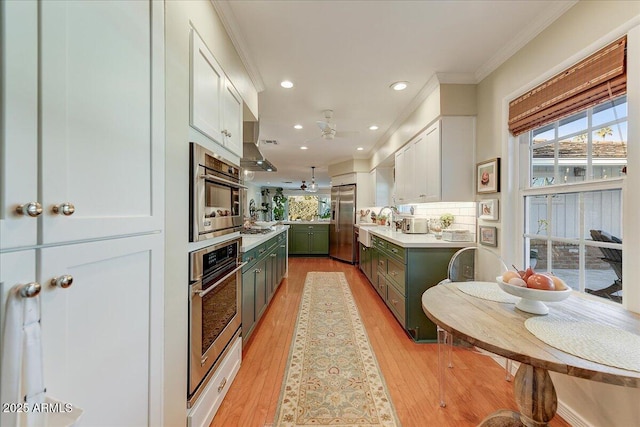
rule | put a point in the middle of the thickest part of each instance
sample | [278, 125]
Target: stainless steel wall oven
[215, 280]
[215, 197]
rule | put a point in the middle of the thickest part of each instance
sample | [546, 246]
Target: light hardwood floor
[476, 385]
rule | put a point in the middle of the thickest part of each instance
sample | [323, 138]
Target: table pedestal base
[535, 396]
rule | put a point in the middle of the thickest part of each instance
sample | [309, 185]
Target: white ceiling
[343, 55]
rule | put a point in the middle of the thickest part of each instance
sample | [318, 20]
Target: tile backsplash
[464, 213]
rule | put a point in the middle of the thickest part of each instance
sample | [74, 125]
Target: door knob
[65, 209]
[62, 281]
[32, 209]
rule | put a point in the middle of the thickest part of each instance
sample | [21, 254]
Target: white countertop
[250, 241]
[413, 240]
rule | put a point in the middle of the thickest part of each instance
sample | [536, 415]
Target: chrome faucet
[393, 210]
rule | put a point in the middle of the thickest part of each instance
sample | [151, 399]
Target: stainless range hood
[252, 158]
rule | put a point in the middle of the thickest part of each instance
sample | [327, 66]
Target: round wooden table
[499, 328]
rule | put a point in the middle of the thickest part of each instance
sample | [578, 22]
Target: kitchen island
[401, 267]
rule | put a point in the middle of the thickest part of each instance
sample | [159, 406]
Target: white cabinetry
[381, 181]
[83, 136]
[362, 181]
[438, 165]
[216, 106]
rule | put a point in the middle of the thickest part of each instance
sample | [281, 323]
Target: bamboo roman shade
[599, 77]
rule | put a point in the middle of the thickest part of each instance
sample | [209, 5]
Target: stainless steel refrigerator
[343, 216]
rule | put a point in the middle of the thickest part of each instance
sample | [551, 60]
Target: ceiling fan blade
[322, 125]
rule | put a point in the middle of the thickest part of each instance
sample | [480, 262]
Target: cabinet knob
[32, 209]
[65, 209]
[29, 290]
[62, 281]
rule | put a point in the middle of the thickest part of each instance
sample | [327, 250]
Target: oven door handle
[223, 181]
[229, 274]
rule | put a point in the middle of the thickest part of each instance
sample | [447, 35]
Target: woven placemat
[589, 340]
[487, 290]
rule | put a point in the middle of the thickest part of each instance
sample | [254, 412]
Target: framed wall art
[488, 209]
[488, 176]
[488, 236]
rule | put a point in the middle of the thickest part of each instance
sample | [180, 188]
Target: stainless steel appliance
[215, 198]
[215, 280]
[412, 225]
[343, 216]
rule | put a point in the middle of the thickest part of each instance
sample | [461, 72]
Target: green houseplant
[279, 200]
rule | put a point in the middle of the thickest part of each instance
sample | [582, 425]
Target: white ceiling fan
[328, 128]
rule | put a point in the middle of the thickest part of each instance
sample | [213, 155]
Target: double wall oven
[215, 196]
[215, 271]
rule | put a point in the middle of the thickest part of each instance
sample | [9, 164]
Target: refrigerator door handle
[337, 214]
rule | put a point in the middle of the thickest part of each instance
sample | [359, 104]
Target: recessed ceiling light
[297, 127]
[304, 148]
[359, 148]
[286, 84]
[373, 127]
[259, 162]
[399, 85]
[269, 170]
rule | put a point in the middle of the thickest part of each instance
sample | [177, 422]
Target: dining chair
[467, 264]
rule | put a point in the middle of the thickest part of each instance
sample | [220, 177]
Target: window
[573, 200]
[308, 208]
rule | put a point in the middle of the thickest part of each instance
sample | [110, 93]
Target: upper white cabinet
[83, 105]
[216, 106]
[438, 165]
[381, 181]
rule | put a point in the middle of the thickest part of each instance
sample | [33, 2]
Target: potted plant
[279, 200]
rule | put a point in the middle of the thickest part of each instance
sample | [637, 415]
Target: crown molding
[230, 24]
[551, 13]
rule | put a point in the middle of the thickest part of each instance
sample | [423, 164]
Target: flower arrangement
[446, 219]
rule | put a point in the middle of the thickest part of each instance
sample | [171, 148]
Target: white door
[19, 138]
[207, 87]
[409, 171]
[400, 177]
[101, 335]
[232, 119]
[98, 85]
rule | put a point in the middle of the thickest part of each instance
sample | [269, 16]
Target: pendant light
[313, 187]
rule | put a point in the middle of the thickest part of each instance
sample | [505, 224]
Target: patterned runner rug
[332, 376]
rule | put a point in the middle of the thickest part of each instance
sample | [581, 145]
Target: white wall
[586, 27]
[179, 16]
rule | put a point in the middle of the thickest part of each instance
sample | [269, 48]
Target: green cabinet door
[248, 300]
[319, 241]
[299, 242]
[261, 287]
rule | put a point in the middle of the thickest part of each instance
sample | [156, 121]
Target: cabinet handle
[394, 250]
[257, 270]
[381, 262]
[394, 301]
[260, 251]
[29, 290]
[62, 281]
[422, 195]
[394, 273]
[273, 255]
[224, 132]
[31, 209]
[222, 384]
[311, 226]
[282, 246]
[65, 209]
[203, 360]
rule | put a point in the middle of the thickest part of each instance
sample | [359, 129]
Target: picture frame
[488, 209]
[488, 236]
[488, 176]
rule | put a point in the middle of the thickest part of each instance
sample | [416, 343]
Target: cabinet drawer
[396, 303]
[250, 258]
[396, 272]
[395, 251]
[261, 250]
[208, 403]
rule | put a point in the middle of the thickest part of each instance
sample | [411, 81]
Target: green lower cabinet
[309, 239]
[265, 268]
[401, 275]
